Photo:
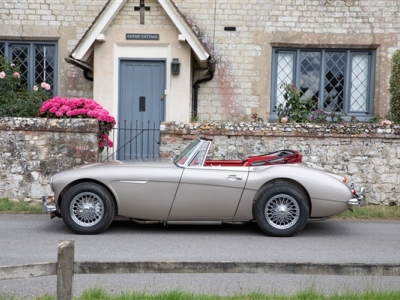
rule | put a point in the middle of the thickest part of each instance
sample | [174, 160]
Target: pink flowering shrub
[58, 107]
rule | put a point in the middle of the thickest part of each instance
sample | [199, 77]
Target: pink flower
[2, 75]
[53, 110]
[386, 122]
[59, 113]
[45, 86]
[79, 108]
[35, 88]
[17, 75]
[284, 120]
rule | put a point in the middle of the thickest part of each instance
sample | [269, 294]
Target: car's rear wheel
[281, 209]
[87, 208]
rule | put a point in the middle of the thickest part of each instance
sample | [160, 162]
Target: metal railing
[134, 140]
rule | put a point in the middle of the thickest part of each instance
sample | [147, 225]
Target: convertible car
[276, 190]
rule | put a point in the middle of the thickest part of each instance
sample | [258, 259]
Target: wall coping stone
[323, 130]
[49, 124]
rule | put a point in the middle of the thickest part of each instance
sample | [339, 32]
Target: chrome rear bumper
[358, 197]
[48, 206]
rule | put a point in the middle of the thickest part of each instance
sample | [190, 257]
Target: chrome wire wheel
[282, 211]
[86, 209]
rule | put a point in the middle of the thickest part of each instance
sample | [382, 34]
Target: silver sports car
[276, 190]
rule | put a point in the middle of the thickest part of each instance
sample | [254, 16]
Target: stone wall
[31, 150]
[368, 154]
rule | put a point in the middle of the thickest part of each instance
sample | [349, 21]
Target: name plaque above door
[142, 36]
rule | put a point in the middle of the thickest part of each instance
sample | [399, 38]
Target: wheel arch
[283, 179]
[82, 180]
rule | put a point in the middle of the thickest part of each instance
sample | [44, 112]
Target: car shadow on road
[129, 226]
[313, 228]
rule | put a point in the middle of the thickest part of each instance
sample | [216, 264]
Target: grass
[372, 212]
[100, 294]
[9, 206]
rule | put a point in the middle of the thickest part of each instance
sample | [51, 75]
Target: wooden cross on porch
[142, 8]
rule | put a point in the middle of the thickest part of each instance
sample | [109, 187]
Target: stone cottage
[220, 60]
[208, 59]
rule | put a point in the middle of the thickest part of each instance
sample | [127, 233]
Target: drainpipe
[211, 69]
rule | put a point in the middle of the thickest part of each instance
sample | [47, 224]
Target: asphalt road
[26, 239]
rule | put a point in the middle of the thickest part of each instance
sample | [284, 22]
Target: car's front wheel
[87, 208]
[281, 209]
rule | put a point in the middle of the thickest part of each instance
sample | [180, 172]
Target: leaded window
[335, 80]
[37, 61]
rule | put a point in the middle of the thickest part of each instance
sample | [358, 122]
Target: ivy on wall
[394, 89]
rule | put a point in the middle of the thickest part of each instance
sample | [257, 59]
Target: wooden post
[65, 269]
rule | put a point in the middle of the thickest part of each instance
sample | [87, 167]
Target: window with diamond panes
[37, 61]
[335, 80]
[2, 50]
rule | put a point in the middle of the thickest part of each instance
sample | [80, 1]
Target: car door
[209, 193]
[147, 189]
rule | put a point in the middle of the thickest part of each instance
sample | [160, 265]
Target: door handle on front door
[234, 177]
[142, 103]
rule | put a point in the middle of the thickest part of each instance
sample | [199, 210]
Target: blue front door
[141, 108]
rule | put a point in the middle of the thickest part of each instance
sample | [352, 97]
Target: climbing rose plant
[58, 107]
[16, 100]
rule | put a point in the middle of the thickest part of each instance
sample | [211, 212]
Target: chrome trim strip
[133, 181]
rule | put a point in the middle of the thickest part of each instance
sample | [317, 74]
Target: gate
[134, 140]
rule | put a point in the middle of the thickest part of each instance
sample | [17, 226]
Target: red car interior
[278, 157]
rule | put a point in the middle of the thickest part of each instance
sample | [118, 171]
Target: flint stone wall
[368, 154]
[31, 150]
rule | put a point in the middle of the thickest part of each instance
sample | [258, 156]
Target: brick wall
[31, 150]
[368, 154]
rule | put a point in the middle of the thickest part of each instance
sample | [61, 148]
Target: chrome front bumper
[48, 206]
[358, 197]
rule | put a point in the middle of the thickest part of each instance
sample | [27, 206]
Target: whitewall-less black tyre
[281, 209]
[87, 208]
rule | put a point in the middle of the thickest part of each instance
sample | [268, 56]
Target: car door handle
[234, 177]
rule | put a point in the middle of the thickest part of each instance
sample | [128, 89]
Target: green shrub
[15, 99]
[294, 109]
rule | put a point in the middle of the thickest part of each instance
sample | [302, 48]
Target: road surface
[27, 239]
